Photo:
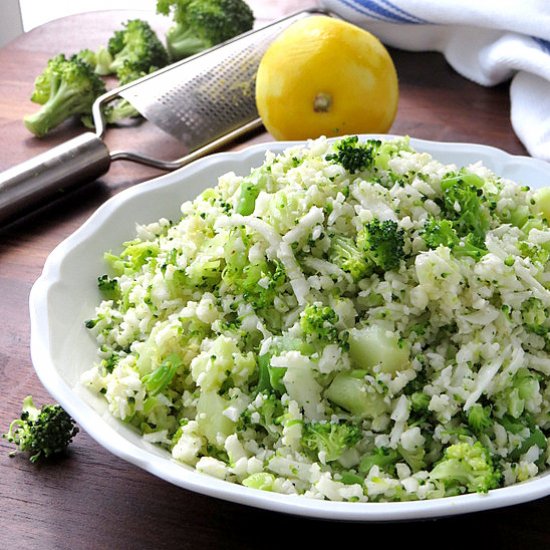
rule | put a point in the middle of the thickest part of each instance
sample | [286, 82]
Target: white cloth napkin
[487, 41]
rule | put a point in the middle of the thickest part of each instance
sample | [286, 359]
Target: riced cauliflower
[352, 321]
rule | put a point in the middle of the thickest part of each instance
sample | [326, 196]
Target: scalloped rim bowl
[66, 294]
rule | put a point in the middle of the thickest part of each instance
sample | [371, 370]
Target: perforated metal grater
[204, 101]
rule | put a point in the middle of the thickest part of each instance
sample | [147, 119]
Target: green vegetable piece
[330, 438]
[383, 243]
[351, 394]
[382, 457]
[136, 49]
[346, 255]
[464, 204]
[248, 194]
[353, 155]
[108, 287]
[41, 432]
[466, 466]
[374, 345]
[66, 87]
[479, 418]
[542, 201]
[261, 480]
[201, 24]
[158, 380]
[211, 420]
[442, 233]
[319, 322]
[350, 478]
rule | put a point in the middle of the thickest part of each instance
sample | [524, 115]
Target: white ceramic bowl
[66, 293]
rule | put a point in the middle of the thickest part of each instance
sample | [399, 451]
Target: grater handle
[38, 179]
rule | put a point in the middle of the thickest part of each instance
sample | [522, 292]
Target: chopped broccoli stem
[158, 380]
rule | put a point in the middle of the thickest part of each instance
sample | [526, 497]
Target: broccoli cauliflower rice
[353, 321]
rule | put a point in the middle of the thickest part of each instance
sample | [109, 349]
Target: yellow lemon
[324, 76]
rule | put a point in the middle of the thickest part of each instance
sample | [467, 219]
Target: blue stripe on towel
[544, 44]
[362, 11]
[406, 13]
[373, 9]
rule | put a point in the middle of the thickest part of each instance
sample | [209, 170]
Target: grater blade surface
[204, 97]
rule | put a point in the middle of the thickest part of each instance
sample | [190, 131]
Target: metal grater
[204, 101]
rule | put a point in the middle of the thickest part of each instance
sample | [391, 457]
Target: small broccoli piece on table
[466, 467]
[66, 87]
[201, 24]
[330, 438]
[382, 243]
[353, 155]
[41, 432]
[346, 255]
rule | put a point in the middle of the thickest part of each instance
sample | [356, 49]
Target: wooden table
[93, 499]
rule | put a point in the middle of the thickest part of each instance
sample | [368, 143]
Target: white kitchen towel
[487, 41]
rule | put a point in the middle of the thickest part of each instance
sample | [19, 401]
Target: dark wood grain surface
[92, 499]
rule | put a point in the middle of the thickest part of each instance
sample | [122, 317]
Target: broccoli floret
[463, 204]
[330, 438]
[319, 322]
[442, 233]
[41, 432]
[89, 57]
[65, 88]
[420, 401]
[382, 243]
[382, 457]
[257, 281]
[345, 254]
[534, 316]
[466, 466]
[354, 156]
[108, 287]
[523, 390]
[201, 24]
[479, 418]
[270, 413]
[538, 255]
[135, 50]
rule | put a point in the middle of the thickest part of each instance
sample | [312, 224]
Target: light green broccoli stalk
[201, 24]
[41, 432]
[66, 87]
[466, 467]
[329, 438]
